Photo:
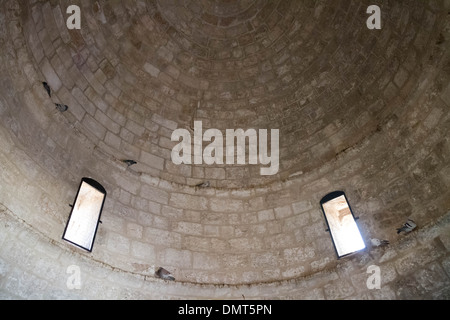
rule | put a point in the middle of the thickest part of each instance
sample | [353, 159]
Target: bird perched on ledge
[203, 185]
[129, 162]
[47, 88]
[164, 274]
[409, 226]
[379, 243]
[61, 107]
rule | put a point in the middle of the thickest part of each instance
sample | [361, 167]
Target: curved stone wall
[358, 111]
[32, 267]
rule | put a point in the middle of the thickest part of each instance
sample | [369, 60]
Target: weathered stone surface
[359, 110]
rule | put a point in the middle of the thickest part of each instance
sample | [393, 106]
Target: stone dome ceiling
[359, 110]
[312, 70]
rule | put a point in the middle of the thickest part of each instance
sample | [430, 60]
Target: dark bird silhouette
[129, 162]
[47, 88]
[61, 107]
[409, 226]
[164, 274]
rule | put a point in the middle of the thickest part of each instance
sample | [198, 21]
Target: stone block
[432, 278]
[227, 232]
[388, 273]
[407, 288]
[180, 200]
[419, 258]
[155, 194]
[189, 228]
[178, 170]
[246, 244]
[50, 75]
[134, 230]
[162, 237]
[62, 72]
[176, 258]
[224, 205]
[445, 95]
[298, 255]
[294, 272]
[144, 251]
[172, 125]
[283, 212]
[113, 140]
[107, 122]
[215, 173]
[206, 261]
[94, 127]
[152, 70]
[118, 243]
[200, 244]
[61, 24]
[144, 218]
[172, 213]
[46, 42]
[265, 260]
[26, 285]
[385, 293]
[126, 183]
[235, 261]
[338, 289]
[211, 230]
[4, 268]
[152, 160]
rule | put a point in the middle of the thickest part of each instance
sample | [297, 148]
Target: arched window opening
[85, 216]
[341, 224]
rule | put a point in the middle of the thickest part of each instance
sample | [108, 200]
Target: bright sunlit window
[341, 223]
[85, 216]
